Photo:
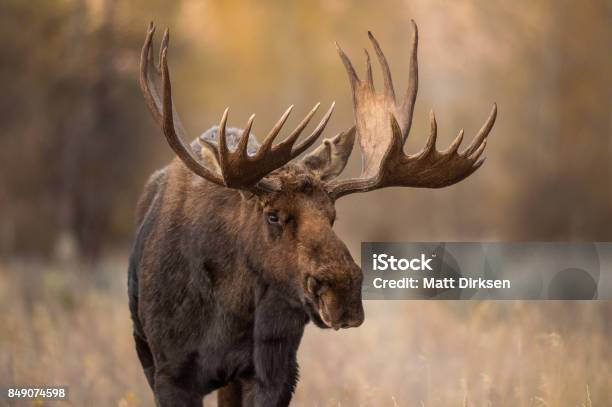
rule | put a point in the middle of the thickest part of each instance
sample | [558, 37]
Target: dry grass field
[70, 325]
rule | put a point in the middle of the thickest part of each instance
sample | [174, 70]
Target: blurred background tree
[76, 142]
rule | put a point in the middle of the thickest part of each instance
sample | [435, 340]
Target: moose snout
[341, 314]
[357, 319]
[353, 314]
[353, 322]
[353, 318]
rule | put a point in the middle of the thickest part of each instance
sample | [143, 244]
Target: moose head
[289, 202]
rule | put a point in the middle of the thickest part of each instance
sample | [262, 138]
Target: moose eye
[273, 217]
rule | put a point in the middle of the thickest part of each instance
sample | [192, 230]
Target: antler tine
[384, 66]
[267, 143]
[483, 132]
[223, 150]
[396, 146]
[176, 143]
[476, 155]
[147, 85]
[287, 144]
[227, 157]
[241, 149]
[454, 146]
[430, 146]
[369, 78]
[413, 80]
[348, 65]
[163, 46]
[479, 163]
[303, 146]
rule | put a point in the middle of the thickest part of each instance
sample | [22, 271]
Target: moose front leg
[277, 334]
[174, 383]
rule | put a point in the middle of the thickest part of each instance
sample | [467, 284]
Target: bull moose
[235, 250]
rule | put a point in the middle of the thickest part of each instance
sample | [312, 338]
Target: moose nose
[353, 321]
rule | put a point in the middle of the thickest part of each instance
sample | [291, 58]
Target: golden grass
[70, 326]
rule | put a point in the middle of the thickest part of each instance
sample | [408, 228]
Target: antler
[237, 168]
[383, 127]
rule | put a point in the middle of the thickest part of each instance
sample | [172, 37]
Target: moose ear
[330, 158]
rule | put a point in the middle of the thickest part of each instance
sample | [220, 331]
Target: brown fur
[220, 295]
